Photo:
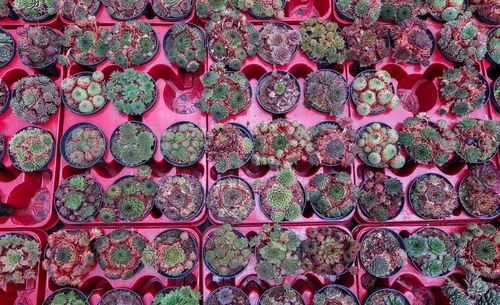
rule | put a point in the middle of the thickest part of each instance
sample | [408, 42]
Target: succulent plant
[277, 253]
[479, 191]
[76, 10]
[35, 98]
[282, 197]
[268, 8]
[7, 48]
[84, 146]
[172, 9]
[280, 142]
[31, 148]
[326, 91]
[378, 146]
[182, 144]
[229, 146]
[226, 251]
[132, 43]
[486, 10]
[131, 197]
[4, 96]
[381, 253]
[463, 40]
[86, 41]
[322, 41]
[125, 9]
[70, 256]
[278, 92]
[477, 140]
[478, 249]
[332, 143]
[373, 92]
[399, 10]
[367, 41]
[432, 251]
[78, 198]
[231, 39]
[66, 296]
[117, 296]
[278, 43]
[34, 10]
[281, 295]
[5, 8]
[133, 143]
[470, 289]
[2, 146]
[333, 196]
[185, 45]
[132, 92]
[84, 93]
[332, 294]
[209, 8]
[387, 296]
[179, 197]
[181, 295]
[432, 196]
[224, 93]
[328, 250]
[381, 197]
[38, 46]
[358, 9]
[493, 45]
[462, 90]
[119, 253]
[226, 295]
[445, 10]
[19, 255]
[175, 252]
[412, 43]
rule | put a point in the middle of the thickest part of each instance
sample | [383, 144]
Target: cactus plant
[83, 146]
[66, 296]
[78, 198]
[5, 8]
[281, 295]
[265, 9]
[132, 143]
[381, 253]
[181, 295]
[4, 96]
[444, 10]
[84, 93]
[400, 10]
[175, 252]
[378, 146]
[182, 143]
[334, 294]
[493, 45]
[69, 256]
[132, 92]
[34, 10]
[432, 196]
[477, 140]
[367, 41]
[381, 197]
[226, 251]
[172, 9]
[332, 143]
[179, 197]
[462, 90]
[357, 9]
[224, 93]
[117, 296]
[479, 191]
[387, 296]
[278, 43]
[227, 295]
[412, 43]
[185, 46]
[19, 256]
[322, 41]
[373, 92]
[208, 8]
[31, 149]
[486, 10]
[278, 92]
[125, 9]
[326, 91]
[76, 10]
[470, 289]
[38, 46]
[7, 48]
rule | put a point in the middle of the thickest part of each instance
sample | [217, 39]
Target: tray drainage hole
[404, 234]
[457, 212]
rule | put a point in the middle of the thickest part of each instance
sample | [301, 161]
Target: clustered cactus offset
[172, 9]
[445, 10]
[412, 43]
[479, 191]
[329, 295]
[381, 197]
[182, 295]
[66, 296]
[19, 255]
[120, 296]
[432, 196]
[333, 143]
[7, 48]
[357, 9]
[470, 289]
[78, 198]
[132, 143]
[226, 295]
[185, 46]
[367, 41]
[477, 140]
[76, 10]
[35, 10]
[322, 41]
[132, 43]
[387, 296]
[85, 93]
[278, 43]
[175, 252]
[278, 92]
[378, 146]
[31, 148]
[268, 8]
[281, 295]
[84, 146]
[373, 92]
[125, 9]
[326, 91]
[38, 46]
[399, 10]
[182, 144]
[493, 45]
[210, 8]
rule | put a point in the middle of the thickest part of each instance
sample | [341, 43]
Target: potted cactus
[281, 198]
[334, 294]
[278, 253]
[463, 40]
[413, 42]
[372, 92]
[478, 250]
[444, 11]
[432, 251]
[84, 93]
[120, 296]
[479, 191]
[333, 143]
[177, 295]
[184, 44]
[367, 42]
[119, 254]
[38, 11]
[322, 41]
[326, 91]
[31, 149]
[486, 11]
[493, 46]
[86, 43]
[266, 9]
[328, 251]
[381, 197]
[130, 198]
[462, 90]
[278, 92]
[400, 10]
[132, 144]
[278, 43]
[358, 9]
[6, 10]
[132, 43]
[281, 295]
[125, 10]
[76, 10]
[78, 198]
[35, 98]
[378, 146]
[172, 10]
[207, 8]
[226, 251]
[432, 196]
[382, 252]
[69, 256]
[229, 146]
[470, 289]
[280, 142]
[180, 197]
[477, 140]
[230, 200]
[332, 196]
[386, 296]
[7, 48]
[225, 294]
[66, 296]
[83, 145]
[231, 39]
[4, 96]
[224, 93]
[19, 256]
[38, 46]
[182, 144]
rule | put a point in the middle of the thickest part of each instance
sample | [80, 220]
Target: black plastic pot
[33, 20]
[202, 151]
[113, 135]
[13, 51]
[263, 17]
[167, 37]
[139, 14]
[64, 140]
[173, 19]
[482, 161]
[263, 104]
[303, 202]
[367, 215]
[321, 215]
[288, 27]
[338, 75]
[485, 19]
[494, 100]
[186, 272]
[43, 167]
[463, 204]
[270, 290]
[354, 97]
[438, 19]
[80, 295]
[361, 154]
[236, 272]
[50, 68]
[7, 100]
[488, 55]
[91, 12]
[401, 245]
[344, 289]
[114, 290]
[76, 111]
[405, 300]
[235, 289]
[329, 122]
[340, 13]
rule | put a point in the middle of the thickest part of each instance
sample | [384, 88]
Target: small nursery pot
[263, 104]
[328, 122]
[344, 289]
[186, 272]
[113, 135]
[173, 19]
[433, 46]
[457, 154]
[7, 99]
[357, 67]
[75, 111]
[44, 166]
[303, 202]
[50, 68]
[288, 27]
[233, 288]
[2, 31]
[367, 215]
[340, 13]
[488, 55]
[229, 276]
[354, 97]
[362, 155]
[92, 12]
[109, 293]
[146, 212]
[405, 300]
[264, 17]
[172, 162]
[222, 180]
[494, 100]
[321, 215]
[463, 204]
[412, 187]
[192, 25]
[64, 140]
[139, 14]
[438, 19]
[272, 289]
[80, 295]
[347, 88]
[164, 291]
